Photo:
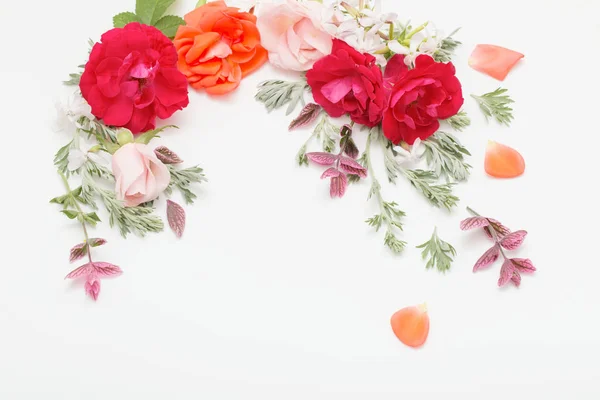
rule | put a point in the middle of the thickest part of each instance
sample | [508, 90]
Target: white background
[277, 291]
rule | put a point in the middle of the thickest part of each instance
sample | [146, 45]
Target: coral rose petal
[222, 88]
[411, 325]
[255, 63]
[494, 61]
[502, 161]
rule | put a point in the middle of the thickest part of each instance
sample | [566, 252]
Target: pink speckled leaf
[523, 264]
[338, 185]
[350, 166]
[488, 233]
[96, 242]
[176, 217]
[84, 270]
[167, 156]
[506, 272]
[516, 278]
[92, 287]
[498, 227]
[488, 258]
[309, 113]
[322, 158]
[513, 240]
[78, 252]
[330, 172]
[105, 269]
[474, 222]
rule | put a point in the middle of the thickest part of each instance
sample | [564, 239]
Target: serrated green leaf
[120, 20]
[200, 3]
[169, 24]
[150, 11]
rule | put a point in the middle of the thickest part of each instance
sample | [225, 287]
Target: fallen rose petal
[494, 61]
[411, 325]
[502, 161]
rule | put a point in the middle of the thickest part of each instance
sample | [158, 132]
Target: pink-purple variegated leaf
[78, 252]
[488, 258]
[523, 264]
[473, 222]
[337, 186]
[500, 229]
[513, 240]
[506, 272]
[350, 149]
[488, 233]
[104, 269]
[84, 270]
[167, 156]
[350, 166]
[330, 172]
[516, 278]
[92, 287]
[309, 113]
[322, 158]
[176, 217]
[96, 242]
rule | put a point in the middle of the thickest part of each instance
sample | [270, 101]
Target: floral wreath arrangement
[130, 80]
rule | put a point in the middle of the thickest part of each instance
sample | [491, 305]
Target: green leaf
[169, 24]
[91, 218]
[200, 3]
[146, 137]
[71, 214]
[150, 11]
[120, 20]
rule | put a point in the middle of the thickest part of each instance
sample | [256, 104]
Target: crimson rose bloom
[419, 98]
[347, 81]
[132, 77]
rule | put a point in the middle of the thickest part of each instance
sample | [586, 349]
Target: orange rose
[218, 46]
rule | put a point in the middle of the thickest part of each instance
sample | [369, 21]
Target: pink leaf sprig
[340, 166]
[504, 239]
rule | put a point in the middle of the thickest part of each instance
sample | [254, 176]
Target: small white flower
[70, 111]
[412, 157]
[79, 156]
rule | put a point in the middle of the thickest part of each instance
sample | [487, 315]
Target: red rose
[348, 82]
[132, 77]
[419, 98]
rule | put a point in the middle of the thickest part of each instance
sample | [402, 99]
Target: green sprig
[440, 195]
[390, 215]
[495, 105]
[460, 121]
[447, 48]
[440, 253]
[183, 179]
[446, 156]
[276, 93]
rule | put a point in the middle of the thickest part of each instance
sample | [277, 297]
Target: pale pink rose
[140, 176]
[293, 34]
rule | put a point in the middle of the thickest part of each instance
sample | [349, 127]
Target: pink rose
[293, 34]
[140, 176]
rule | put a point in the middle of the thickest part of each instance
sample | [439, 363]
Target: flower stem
[375, 183]
[469, 209]
[76, 203]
